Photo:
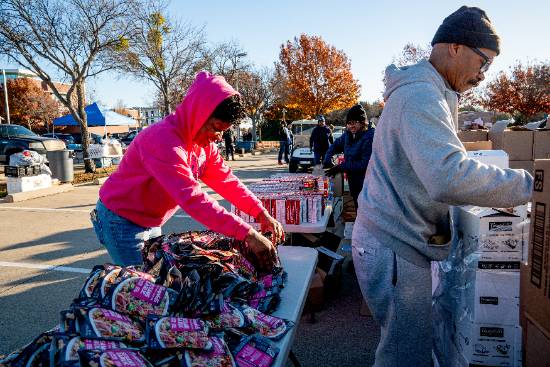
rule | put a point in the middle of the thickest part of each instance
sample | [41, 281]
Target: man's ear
[454, 49]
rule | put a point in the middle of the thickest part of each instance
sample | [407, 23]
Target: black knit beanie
[468, 26]
[356, 113]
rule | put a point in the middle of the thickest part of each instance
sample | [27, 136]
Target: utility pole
[6, 96]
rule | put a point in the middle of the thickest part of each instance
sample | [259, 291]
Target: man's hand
[270, 224]
[333, 171]
[328, 165]
[264, 251]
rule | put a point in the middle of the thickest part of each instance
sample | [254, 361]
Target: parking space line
[44, 267]
[45, 209]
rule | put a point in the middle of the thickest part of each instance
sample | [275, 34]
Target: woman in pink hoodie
[161, 170]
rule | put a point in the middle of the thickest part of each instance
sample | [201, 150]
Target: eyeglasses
[486, 60]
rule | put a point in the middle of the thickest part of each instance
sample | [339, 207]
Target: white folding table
[299, 263]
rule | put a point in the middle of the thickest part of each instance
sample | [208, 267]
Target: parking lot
[47, 247]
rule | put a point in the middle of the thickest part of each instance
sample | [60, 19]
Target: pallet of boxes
[476, 289]
[535, 275]
[27, 171]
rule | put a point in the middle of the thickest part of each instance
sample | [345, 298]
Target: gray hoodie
[419, 168]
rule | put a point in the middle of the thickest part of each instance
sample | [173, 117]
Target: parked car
[16, 138]
[128, 138]
[301, 156]
[68, 139]
[94, 138]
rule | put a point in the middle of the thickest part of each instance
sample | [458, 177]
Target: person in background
[285, 140]
[229, 139]
[356, 144]
[418, 169]
[160, 173]
[320, 140]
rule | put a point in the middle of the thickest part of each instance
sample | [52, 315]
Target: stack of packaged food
[291, 198]
[196, 301]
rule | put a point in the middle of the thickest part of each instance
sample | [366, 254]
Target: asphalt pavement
[48, 244]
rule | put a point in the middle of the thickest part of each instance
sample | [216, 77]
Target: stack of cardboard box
[476, 290]
[535, 276]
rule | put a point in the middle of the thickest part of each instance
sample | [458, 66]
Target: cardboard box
[316, 296]
[541, 144]
[537, 345]
[498, 158]
[536, 292]
[478, 145]
[529, 166]
[488, 344]
[517, 143]
[489, 297]
[494, 236]
[472, 135]
[28, 183]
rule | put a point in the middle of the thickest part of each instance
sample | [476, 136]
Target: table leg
[293, 359]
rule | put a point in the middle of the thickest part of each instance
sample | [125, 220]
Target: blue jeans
[122, 239]
[283, 149]
[318, 157]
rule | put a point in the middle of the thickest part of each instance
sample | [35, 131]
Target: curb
[22, 196]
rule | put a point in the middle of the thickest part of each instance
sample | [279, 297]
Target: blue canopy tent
[97, 116]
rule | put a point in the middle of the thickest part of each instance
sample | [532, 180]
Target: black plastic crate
[21, 171]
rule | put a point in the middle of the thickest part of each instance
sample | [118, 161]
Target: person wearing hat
[356, 144]
[418, 169]
[320, 140]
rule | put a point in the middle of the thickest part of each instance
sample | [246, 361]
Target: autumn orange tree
[523, 93]
[30, 105]
[316, 75]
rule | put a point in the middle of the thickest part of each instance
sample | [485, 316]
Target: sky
[370, 33]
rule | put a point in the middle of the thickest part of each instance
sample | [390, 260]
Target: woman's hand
[263, 250]
[270, 224]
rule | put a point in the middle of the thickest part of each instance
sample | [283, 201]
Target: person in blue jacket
[356, 144]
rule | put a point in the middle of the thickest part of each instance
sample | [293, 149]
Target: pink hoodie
[162, 167]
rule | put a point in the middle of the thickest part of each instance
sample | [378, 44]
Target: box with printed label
[536, 283]
[488, 344]
[492, 235]
[489, 297]
[541, 144]
[498, 158]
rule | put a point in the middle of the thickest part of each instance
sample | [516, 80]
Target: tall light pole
[238, 57]
[7, 108]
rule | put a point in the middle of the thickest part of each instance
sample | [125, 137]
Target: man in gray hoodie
[418, 169]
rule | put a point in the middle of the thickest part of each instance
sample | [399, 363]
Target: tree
[317, 76]
[258, 91]
[523, 93]
[411, 54]
[163, 51]
[227, 59]
[29, 104]
[65, 39]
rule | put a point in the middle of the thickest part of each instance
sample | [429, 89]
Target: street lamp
[6, 96]
[238, 57]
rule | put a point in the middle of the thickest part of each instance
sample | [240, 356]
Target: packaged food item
[65, 348]
[255, 351]
[139, 297]
[266, 325]
[219, 356]
[263, 303]
[100, 323]
[230, 317]
[177, 332]
[113, 358]
[34, 354]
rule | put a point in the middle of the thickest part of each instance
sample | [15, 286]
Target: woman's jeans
[122, 239]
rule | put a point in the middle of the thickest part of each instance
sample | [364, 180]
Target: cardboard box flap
[488, 212]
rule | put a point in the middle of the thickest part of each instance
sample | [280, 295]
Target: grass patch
[83, 177]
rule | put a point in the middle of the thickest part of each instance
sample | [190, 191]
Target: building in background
[63, 88]
[150, 115]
